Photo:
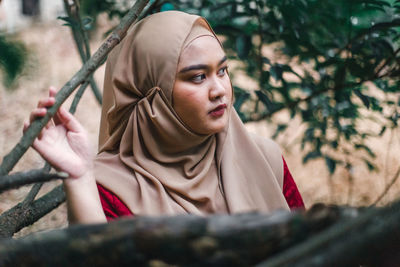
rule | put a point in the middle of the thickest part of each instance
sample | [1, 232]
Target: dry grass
[54, 60]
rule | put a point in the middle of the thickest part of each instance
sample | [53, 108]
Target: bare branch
[81, 40]
[36, 187]
[23, 215]
[116, 36]
[23, 178]
[392, 182]
[78, 97]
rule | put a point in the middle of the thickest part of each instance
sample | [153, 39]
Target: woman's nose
[217, 90]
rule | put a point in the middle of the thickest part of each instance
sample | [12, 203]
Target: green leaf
[334, 144]
[383, 130]
[364, 98]
[265, 77]
[12, 59]
[243, 46]
[331, 164]
[87, 23]
[280, 128]
[276, 72]
[266, 60]
[370, 165]
[311, 155]
[265, 100]
[167, 7]
[240, 98]
[366, 148]
[66, 19]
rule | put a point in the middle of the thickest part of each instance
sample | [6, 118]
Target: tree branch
[78, 97]
[23, 215]
[228, 240]
[81, 41]
[116, 36]
[36, 187]
[23, 178]
[392, 182]
[369, 239]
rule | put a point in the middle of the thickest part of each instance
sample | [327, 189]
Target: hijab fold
[150, 159]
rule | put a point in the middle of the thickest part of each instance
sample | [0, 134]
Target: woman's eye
[221, 71]
[198, 78]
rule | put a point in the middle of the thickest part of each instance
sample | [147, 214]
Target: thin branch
[150, 8]
[78, 97]
[81, 41]
[32, 194]
[36, 187]
[81, 28]
[21, 215]
[386, 62]
[361, 34]
[23, 178]
[392, 182]
[92, 64]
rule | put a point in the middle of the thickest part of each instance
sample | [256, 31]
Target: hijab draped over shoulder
[150, 159]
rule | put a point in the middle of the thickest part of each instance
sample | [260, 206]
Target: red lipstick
[218, 111]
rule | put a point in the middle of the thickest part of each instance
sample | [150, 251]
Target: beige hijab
[150, 159]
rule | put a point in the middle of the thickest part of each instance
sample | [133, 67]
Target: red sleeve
[290, 191]
[113, 207]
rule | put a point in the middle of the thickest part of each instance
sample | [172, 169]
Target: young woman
[170, 141]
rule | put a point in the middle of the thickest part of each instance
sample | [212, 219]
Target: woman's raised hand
[63, 142]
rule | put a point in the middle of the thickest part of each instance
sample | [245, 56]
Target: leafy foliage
[332, 61]
[12, 59]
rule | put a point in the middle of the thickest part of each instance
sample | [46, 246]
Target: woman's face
[202, 92]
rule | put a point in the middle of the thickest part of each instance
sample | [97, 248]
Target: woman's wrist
[83, 199]
[86, 177]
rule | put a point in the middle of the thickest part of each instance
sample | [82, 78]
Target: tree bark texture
[372, 239]
[218, 240]
[23, 178]
[26, 213]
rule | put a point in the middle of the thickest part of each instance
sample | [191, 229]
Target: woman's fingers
[52, 91]
[52, 94]
[41, 109]
[69, 121]
[26, 126]
[37, 113]
[47, 102]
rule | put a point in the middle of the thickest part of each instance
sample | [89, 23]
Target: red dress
[113, 207]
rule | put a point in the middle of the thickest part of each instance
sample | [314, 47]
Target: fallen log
[237, 240]
[371, 239]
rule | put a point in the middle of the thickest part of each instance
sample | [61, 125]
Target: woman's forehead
[202, 49]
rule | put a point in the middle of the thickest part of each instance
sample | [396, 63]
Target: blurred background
[320, 77]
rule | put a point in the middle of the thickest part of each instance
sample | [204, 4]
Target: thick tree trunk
[238, 240]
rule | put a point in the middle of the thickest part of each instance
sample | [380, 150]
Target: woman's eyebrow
[200, 66]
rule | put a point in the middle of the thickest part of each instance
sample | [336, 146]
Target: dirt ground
[54, 59]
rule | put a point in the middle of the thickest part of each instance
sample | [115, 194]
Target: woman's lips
[218, 111]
